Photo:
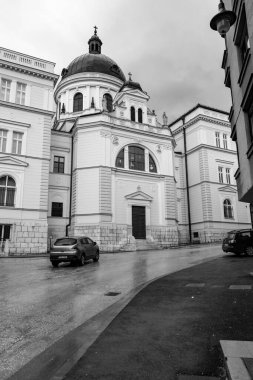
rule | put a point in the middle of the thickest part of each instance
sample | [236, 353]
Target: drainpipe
[70, 186]
[187, 182]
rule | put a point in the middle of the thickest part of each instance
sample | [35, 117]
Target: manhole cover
[112, 294]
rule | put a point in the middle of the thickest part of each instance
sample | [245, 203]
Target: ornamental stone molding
[201, 118]
[105, 134]
[115, 140]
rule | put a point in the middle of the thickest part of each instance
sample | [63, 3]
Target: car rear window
[231, 235]
[66, 241]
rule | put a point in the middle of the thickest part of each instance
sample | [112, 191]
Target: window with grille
[20, 93]
[220, 172]
[57, 209]
[136, 158]
[59, 163]
[7, 191]
[152, 165]
[3, 140]
[228, 175]
[17, 142]
[5, 231]
[217, 137]
[5, 90]
[78, 102]
[228, 209]
[225, 141]
[120, 159]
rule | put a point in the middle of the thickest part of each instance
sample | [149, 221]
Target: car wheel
[96, 258]
[82, 260]
[249, 251]
[55, 264]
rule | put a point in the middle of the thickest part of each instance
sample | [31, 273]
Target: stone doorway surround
[139, 198]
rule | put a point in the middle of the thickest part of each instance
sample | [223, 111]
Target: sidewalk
[174, 326]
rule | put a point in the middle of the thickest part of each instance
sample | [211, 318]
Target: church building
[83, 154]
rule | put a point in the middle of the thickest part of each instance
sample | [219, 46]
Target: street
[40, 304]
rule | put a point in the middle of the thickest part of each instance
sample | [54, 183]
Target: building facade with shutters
[238, 66]
[86, 156]
[205, 164]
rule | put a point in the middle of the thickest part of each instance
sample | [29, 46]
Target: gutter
[187, 182]
[71, 179]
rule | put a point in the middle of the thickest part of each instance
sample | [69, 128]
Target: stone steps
[238, 358]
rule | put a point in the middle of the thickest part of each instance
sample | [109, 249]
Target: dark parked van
[239, 242]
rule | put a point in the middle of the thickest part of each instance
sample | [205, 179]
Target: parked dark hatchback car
[239, 242]
[74, 250]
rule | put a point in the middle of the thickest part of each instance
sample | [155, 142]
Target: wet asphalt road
[40, 304]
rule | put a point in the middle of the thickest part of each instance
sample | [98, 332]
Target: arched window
[120, 159]
[139, 115]
[7, 191]
[107, 103]
[228, 209]
[152, 165]
[136, 158]
[132, 110]
[78, 102]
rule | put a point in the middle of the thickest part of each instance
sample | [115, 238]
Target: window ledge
[250, 150]
[244, 67]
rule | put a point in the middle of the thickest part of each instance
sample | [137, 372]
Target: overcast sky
[166, 44]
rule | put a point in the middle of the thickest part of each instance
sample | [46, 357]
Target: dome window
[78, 102]
[107, 103]
[140, 115]
[132, 112]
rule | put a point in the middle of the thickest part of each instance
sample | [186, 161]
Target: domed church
[83, 154]
[112, 175]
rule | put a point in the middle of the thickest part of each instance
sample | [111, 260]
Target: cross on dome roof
[95, 31]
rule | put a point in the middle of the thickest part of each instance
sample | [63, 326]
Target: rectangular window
[228, 175]
[3, 140]
[250, 119]
[220, 171]
[5, 231]
[225, 141]
[17, 142]
[244, 45]
[20, 93]
[57, 209]
[59, 164]
[217, 136]
[5, 90]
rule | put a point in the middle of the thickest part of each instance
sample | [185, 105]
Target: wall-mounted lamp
[223, 20]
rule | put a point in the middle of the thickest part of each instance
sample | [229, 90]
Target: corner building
[112, 163]
[26, 112]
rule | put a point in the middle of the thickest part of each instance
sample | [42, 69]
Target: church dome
[94, 62]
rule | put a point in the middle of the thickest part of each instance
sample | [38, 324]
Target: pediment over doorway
[139, 195]
[9, 160]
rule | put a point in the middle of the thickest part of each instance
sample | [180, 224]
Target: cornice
[26, 108]
[30, 71]
[6, 121]
[208, 119]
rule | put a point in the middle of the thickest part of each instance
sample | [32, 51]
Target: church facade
[96, 161]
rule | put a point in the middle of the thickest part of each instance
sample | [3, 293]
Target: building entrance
[139, 222]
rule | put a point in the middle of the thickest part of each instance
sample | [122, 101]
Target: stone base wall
[165, 236]
[27, 237]
[118, 237]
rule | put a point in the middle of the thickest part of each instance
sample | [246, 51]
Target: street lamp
[223, 20]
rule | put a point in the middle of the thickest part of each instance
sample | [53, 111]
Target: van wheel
[249, 251]
[82, 260]
[55, 264]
